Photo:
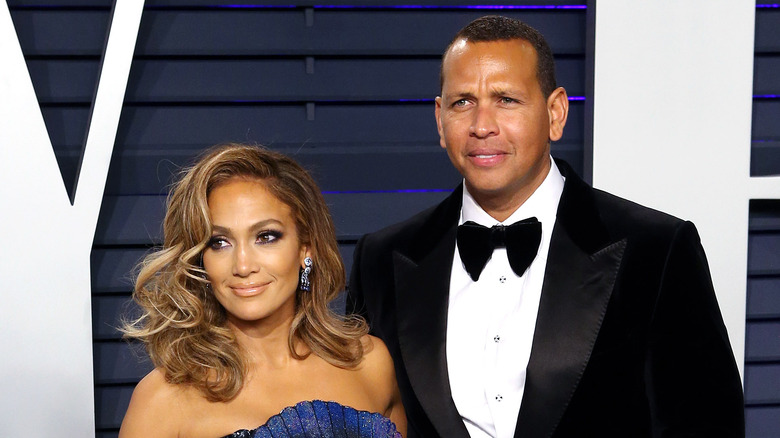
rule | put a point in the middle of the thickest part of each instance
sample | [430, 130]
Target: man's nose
[484, 123]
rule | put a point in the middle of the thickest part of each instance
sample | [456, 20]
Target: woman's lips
[248, 290]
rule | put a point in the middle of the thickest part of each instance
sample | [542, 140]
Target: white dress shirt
[491, 322]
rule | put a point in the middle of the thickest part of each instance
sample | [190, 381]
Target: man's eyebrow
[503, 90]
[509, 92]
[451, 96]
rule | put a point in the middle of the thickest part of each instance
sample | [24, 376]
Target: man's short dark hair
[498, 28]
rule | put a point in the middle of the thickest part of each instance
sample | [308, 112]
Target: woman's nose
[245, 261]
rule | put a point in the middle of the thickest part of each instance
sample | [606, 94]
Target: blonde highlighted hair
[182, 325]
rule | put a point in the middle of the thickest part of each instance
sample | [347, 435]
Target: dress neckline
[319, 418]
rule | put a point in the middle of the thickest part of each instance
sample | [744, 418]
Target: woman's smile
[254, 256]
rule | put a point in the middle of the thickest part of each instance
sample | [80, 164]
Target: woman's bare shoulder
[154, 388]
[375, 352]
[377, 365]
[378, 371]
[154, 408]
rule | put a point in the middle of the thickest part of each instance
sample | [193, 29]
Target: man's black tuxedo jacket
[629, 339]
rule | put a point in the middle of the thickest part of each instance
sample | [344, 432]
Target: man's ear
[438, 122]
[557, 111]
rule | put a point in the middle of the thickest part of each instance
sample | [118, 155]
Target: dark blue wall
[762, 349]
[348, 92]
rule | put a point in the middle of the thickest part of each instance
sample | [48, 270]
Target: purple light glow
[571, 98]
[254, 6]
[532, 7]
[766, 96]
[450, 7]
[325, 101]
[259, 101]
[337, 192]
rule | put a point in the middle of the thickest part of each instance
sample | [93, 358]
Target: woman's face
[254, 255]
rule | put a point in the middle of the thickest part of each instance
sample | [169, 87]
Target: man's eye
[217, 243]
[507, 100]
[268, 237]
[461, 102]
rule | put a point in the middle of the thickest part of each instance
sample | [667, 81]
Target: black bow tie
[476, 244]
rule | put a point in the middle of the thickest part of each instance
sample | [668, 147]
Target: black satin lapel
[577, 287]
[422, 292]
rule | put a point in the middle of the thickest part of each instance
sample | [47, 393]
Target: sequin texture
[310, 419]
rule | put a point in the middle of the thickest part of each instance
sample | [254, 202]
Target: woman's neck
[265, 342]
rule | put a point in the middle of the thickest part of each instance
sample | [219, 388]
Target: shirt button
[502, 279]
[496, 338]
[499, 398]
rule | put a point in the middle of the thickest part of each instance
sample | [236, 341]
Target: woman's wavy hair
[182, 324]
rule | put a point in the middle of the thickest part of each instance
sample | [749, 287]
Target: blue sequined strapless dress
[310, 419]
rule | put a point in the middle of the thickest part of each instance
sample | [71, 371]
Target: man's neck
[501, 205]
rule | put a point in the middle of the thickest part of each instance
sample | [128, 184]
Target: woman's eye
[268, 237]
[217, 243]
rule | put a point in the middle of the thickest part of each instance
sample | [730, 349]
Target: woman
[235, 313]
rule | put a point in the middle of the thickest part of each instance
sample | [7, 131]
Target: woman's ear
[305, 252]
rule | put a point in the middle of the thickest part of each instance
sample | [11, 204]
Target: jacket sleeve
[693, 385]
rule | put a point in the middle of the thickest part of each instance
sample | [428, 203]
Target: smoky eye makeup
[218, 242]
[269, 236]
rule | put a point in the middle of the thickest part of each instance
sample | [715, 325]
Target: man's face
[494, 121]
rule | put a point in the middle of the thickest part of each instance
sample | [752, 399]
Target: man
[606, 326]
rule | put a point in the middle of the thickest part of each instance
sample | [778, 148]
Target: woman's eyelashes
[263, 238]
[268, 236]
[218, 242]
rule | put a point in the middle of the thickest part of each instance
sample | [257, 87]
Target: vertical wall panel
[762, 355]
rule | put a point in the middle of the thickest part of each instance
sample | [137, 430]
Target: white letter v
[45, 315]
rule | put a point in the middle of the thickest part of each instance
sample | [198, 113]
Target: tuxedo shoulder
[400, 230]
[425, 226]
[628, 217]
[585, 207]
